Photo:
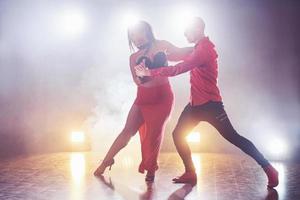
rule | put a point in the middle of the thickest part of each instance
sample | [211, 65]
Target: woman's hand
[141, 70]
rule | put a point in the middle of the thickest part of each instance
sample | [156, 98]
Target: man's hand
[141, 70]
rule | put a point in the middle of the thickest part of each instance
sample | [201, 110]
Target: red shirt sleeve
[197, 58]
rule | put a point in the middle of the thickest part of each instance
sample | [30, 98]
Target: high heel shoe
[150, 177]
[106, 163]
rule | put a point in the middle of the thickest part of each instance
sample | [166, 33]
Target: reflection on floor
[69, 176]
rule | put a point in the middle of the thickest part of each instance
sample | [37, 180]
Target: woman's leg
[151, 140]
[155, 117]
[133, 122]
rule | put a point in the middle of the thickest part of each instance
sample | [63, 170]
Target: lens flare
[130, 19]
[77, 137]
[278, 147]
[72, 22]
[193, 137]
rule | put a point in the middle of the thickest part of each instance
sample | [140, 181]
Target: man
[205, 103]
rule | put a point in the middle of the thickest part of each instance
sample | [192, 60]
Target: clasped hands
[141, 70]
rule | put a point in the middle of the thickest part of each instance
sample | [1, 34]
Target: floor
[69, 176]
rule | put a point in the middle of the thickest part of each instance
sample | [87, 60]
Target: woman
[154, 100]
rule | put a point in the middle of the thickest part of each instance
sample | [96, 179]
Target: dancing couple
[154, 101]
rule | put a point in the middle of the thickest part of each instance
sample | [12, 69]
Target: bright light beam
[277, 147]
[72, 22]
[130, 19]
[77, 137]
[193, 137]
[182, 17]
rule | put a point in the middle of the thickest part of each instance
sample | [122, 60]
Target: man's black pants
[213, 113]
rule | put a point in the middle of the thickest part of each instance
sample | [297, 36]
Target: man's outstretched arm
[196, 59]
[175, 53]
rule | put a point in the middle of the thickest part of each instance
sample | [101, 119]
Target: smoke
[113, 95]
[52, 83]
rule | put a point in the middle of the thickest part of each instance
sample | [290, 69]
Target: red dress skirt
[155, 104]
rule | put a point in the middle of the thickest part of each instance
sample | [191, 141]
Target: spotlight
[130, 19]
[277, 147]
[183, 17]
[79, 141]
[71, 22]
[193, 137]
[77, 137]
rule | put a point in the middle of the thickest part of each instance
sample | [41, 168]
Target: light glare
[130, 19]
[72, 22]
[77, 137]
[277, 147]
[193, 137]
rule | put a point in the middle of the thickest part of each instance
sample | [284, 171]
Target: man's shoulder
[204, 45]
[207, 42]
[205, 49]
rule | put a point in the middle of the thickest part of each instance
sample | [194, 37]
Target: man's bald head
[198, 22]
[195, 30]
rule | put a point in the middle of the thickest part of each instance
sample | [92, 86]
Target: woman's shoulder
[134, 54]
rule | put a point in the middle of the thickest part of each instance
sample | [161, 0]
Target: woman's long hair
[142, 25]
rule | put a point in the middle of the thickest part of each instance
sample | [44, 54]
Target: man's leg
[217, 116]
[186, 122]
